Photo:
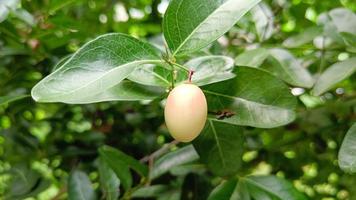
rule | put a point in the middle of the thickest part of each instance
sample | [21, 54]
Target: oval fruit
[185, 112]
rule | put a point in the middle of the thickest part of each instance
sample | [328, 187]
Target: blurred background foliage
[40, 144]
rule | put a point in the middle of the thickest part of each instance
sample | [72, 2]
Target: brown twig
[159, 152]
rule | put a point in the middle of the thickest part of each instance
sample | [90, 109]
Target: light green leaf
[192, 25]
[273, 187]
[152, 75]
[109, 182]
[220, 147]
[150, 191]
[344, 20]
[207, 70]
[8, 99]
[250, 101]
[181, 156]
[336, 21]
[349, 38]
[347, 157]
[97, 66]
[334, 74]
[121, 164]
[124, 91]
[288, 68]
[211, 69]
[263, 17]
[25, 16]
[306, 36]
[252, 58]
[79, 187]
[6, 6]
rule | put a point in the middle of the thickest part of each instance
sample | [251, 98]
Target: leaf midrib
[195, 30]
[217, 142]
[262, 187]
[93, 81]
[232, 97]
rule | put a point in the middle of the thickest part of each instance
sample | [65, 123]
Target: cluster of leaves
[252, 82]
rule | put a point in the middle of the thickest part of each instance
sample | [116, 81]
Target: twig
[60, 193]
[159, 152]
[150, 158]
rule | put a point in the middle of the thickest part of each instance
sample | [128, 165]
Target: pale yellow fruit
[185, 112]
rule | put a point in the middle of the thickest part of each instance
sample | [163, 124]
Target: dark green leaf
[191, 25]
[121, 164]
[224, 190]
[220, 147]
[109, 182]
[334, 74]
[252, 58]
[230, 190]
[196, 187]
[347, 157]
[79, 187]
[97, 66]
[250, 101]
[179, 157]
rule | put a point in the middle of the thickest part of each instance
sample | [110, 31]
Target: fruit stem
[190, 75]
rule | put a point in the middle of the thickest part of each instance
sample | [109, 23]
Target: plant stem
[159, 152]
[181, 67]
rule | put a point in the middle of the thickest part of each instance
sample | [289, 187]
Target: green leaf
[263, 17]
[109, 182]
[336, 21]
[25, 16]
[306, 36]
[211, 69]
[121, 164]
[124, 91]
[207, 70]
[288, 68]
[181, 156]
[344, 20]
[97, 66]
[150, 191]
[23, 180]
[334, 74]
[6, 7]
[230, 190]
[223, 191]
[349, 38]
[192, 25]
[347, 157]
[220, 147]
[273, 187]
[152, 75]
[79, 187]
[8, 99]
[252, 58]
[251, 102]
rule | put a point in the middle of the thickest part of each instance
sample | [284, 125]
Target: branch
[159, 152]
